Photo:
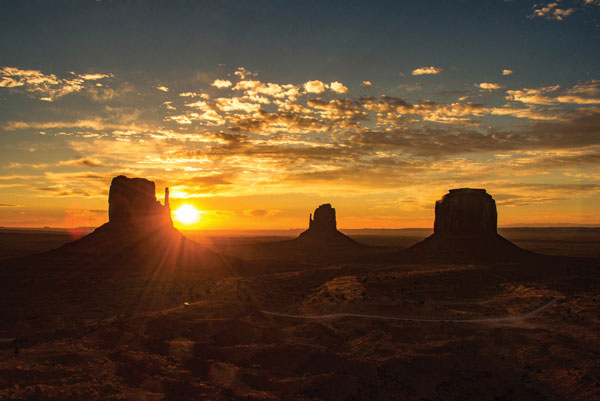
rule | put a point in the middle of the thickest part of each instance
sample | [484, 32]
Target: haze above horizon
[254, 113]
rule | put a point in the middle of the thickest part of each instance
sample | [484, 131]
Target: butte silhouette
[322, 229]
[465, 228]
[140, 233]
[320, 243]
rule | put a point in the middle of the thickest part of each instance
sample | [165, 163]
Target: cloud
[94, 77]
[551, 11]
[236, 104]
[9, 205]
[169, 106]
[366, 84]
[193, 94]
[200, 104]
[583, 132]
[316, 86]
[97, 124]
[507, 72]
[266, 122]
[47, 87]
[181, 119]
[221, 83]
[338, 87]
[267, 135]
[162, 88]
[582, 93]
[261, 212]
[243, 73]
[488, 86]
[208, 117]
[431, 70]
[83, 162]
[253, 89]
[526, 113]
[346, 112]
[533, 96]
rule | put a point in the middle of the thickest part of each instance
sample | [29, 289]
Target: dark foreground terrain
[70, 330]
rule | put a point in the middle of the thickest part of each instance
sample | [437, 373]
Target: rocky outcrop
[132, 202]
[322, 229]
[465, 229]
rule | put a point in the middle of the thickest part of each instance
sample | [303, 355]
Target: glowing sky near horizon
[257, 112]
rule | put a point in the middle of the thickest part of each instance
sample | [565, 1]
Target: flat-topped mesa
[132, 202]
[465, 229]
[466, 212]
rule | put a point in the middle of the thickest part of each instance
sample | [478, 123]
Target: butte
[140, 234]
[465, 229]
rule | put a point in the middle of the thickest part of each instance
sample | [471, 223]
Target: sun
[187, 214]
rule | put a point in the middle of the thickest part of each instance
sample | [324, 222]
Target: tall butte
[322, 229]
[132, 204]
[140, 233]
[466, 227]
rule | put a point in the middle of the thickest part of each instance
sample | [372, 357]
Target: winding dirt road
[504, 319]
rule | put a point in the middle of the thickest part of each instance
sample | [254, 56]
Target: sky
[256, 112]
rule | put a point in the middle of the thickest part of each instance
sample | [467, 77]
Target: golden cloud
[431, 70]
[315, 87]
[488, 86]
[47, 87]
[221, 83]
[551, 11]
[338, 87]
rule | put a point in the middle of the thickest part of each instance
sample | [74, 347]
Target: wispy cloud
[83, 162]
[46, 87]
[583, 93]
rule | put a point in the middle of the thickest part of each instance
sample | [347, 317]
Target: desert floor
[130, 334]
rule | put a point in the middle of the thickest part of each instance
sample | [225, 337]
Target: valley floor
[120, 335]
